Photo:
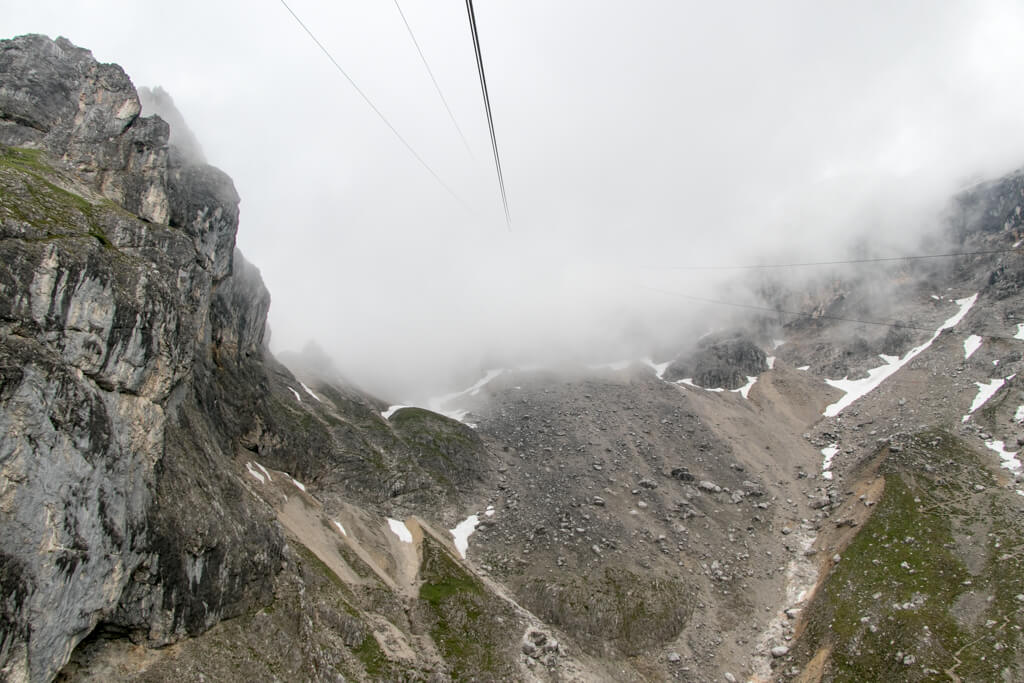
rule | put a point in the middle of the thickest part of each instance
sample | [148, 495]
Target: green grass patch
[373, 659]
[470, 627]
[902, 603]
[29, 195]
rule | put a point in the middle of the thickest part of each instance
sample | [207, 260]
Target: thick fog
[636, 138]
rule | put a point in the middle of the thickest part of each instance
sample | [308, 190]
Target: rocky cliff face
[117, 301]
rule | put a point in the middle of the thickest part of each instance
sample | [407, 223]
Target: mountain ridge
[180, 505]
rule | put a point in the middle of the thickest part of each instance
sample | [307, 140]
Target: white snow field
[858, 388]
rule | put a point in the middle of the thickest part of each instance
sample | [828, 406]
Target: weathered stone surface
[55, 96]
[119, 503]
[724, 364]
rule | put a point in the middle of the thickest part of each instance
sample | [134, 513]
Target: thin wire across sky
[394, 130]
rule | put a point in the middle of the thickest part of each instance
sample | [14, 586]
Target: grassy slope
[927, 590]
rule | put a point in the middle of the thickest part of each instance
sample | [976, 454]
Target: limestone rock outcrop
[116, 300]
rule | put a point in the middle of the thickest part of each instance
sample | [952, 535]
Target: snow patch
[264, 470]
[392, 410]
[659, 368]
[1009, 459]
[310, 392]
[298, 484]
[858, 388]
[805, 368]
[400, 529]
[297, 397]
[770, 360]
[1019, 415]
[1020, 331]
[829, 452]
[745, 389]
[489, 512]
[985, 392]
[688, 381]
[776, 343]
[491, 374]
[340, 527]
[254, 473]
[438, 403]
[971, 344]
[462, 531]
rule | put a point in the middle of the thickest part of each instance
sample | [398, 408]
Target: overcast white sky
[633, 134]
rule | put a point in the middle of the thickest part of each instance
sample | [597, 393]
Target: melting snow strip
[340, 527]
[401, 530]
[254, 473]
[264, 470]
[805, 368]
[985, 392]
[310, 392]
[689, 382]
[298, 483]
[491, 374]
[829, 452]
[297, 397]
[776, 343]
[461, 533]
[437, 404]
[858, 388]
[971, 344]
[392, 410]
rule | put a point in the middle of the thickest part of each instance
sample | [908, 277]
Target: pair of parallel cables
[504, 197]
[437, 87]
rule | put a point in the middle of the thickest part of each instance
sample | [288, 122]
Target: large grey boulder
[719, 363]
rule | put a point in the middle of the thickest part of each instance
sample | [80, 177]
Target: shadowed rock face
[117, 302]
[724, 364]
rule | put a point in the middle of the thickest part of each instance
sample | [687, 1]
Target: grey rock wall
[117, 311]
[56, 97]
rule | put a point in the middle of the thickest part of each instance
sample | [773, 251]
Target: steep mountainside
[805, 497]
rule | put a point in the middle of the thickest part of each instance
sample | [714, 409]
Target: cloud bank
[635, 138]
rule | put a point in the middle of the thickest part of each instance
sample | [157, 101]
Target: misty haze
[634, 140]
